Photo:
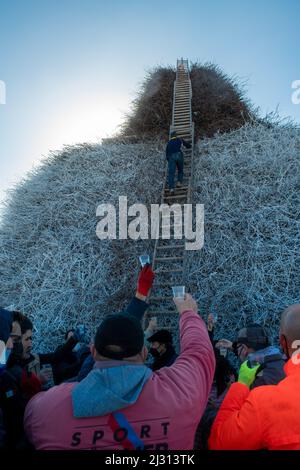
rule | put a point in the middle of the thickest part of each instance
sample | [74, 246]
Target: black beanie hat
[254, 336]
[120, 330]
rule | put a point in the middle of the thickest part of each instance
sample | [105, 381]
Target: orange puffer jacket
[267, 417]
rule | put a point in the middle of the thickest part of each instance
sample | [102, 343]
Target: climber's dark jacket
[174, 146]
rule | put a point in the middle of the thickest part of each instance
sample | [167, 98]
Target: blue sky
[71, 67]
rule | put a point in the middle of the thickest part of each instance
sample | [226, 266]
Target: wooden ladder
[169, 255]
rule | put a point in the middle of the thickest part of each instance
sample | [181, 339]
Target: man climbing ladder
[174, 156]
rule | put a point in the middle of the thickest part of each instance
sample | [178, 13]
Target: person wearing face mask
[17, 385]
[252, 344]
[267, 417]
[162, 349]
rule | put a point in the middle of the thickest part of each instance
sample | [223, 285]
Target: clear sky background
[72, 67]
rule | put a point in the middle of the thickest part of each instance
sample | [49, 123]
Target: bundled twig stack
[55, 269]
[219, 104]
[52, 265]
[248, 270]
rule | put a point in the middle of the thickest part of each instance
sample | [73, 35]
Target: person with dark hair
[174, 157]
[122, 404]
[72, 360]
[162, 349]
[17, 385]
[65, 361]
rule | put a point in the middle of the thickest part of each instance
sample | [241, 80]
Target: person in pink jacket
[122, 404]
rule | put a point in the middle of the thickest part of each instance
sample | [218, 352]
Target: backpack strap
[131, 441]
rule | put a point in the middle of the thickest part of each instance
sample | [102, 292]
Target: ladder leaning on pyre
[169, 255]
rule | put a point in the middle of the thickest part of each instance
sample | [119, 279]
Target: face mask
[154, 352]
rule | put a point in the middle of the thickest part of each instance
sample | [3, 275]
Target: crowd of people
[130, 389]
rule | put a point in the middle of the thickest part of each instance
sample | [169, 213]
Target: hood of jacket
[108, 389]
[6, 320]
[270, 354]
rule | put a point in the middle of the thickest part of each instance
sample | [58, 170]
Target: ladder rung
[169, 258]
[177, 191]
[169, 247]
[179, 196]
[182, 187]
[182, 127]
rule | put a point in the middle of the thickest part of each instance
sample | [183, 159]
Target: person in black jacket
[162, 349]
[65, 361]
[252, 343]
[174, 157]
[225, 375]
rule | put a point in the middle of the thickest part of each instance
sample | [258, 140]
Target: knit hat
[161, 336]
[254, 336]
[120, 330]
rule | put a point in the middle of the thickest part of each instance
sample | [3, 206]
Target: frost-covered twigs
[52, 265]
[248, 269]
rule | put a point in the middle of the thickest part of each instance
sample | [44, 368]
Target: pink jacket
[164, 416]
